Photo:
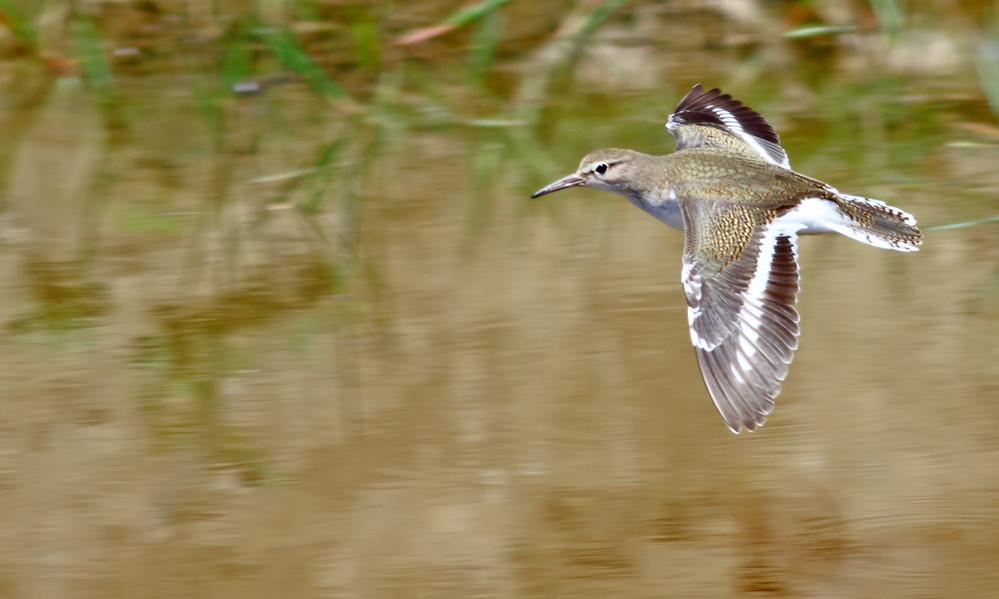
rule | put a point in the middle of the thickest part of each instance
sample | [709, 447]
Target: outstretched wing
[712, 119]
[741, 285]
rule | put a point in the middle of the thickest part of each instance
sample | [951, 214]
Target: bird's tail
[878, 224]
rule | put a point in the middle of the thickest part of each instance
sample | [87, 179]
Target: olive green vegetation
[367, 81]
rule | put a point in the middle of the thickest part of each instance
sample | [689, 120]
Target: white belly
[667, 212]
[812, 216]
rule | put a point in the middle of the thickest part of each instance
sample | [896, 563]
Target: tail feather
[878, 224]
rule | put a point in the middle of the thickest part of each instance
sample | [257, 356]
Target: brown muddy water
[225, 375]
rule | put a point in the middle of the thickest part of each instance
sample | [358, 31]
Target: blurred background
[279, 319]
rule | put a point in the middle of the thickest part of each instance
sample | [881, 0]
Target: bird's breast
[663, 209]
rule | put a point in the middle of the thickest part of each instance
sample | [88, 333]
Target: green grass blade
[286, 48]
[567, 48]
[474, 12]
[97, 70]
[963, 225]
[987, 63]
[320, 180]
[17, 24]
[890, 16]
[94, 62]
[596, 17]
[483, 51]
[819, 30]
[366, 49]
[237, 62]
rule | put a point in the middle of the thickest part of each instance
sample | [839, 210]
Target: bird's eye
[601, 168]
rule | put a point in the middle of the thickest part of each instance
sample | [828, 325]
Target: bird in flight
[730, 188]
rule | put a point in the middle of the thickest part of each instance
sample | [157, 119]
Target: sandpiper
[730, 188]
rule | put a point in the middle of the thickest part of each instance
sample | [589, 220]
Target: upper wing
[713, 119]
[740, 307]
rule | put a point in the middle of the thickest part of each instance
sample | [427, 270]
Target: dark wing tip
[695, 92]
[700, 107]
[742, 396]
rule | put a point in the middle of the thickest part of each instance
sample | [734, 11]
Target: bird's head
[609, 170]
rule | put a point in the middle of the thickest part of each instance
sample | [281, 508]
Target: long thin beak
[566, 181]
